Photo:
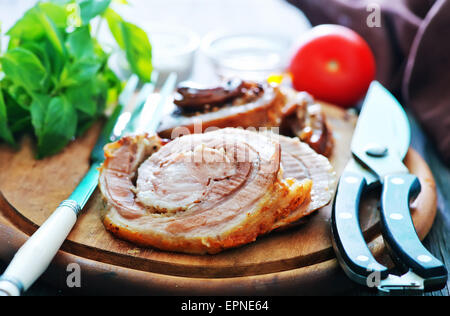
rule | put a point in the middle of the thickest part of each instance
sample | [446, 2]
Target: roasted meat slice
[300, 162]
[200, 193]
[304, 118]
[237, 103]
[247, 104]
[190, 98]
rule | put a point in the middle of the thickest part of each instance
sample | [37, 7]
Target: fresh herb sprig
[55, 81]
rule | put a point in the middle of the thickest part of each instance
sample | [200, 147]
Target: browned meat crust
[220, 206]
[248, 104]
[252, 109]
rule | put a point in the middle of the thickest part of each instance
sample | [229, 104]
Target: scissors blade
[382, 134]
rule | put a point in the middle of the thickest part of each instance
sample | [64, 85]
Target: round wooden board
[296, 261]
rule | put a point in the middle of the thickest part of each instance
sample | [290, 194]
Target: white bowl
[173, 50]
[251, 56]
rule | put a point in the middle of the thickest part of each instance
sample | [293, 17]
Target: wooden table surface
[203, 16]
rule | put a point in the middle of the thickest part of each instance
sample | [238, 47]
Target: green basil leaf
[57, 60]
[82, 97]
[15, 111]
[57, 82]
[58, 128]
[80, 44]
[40, 50]
[89, 9]
[134, 41]
[5, 132]
[100, 92]
[115, 86]
[44, 51]
[19, 95]
[37, 26]
[28, 27]
[138, 50]
[24, 68]
[22, 125]
[115, 26]
[79, 72]
[56, 13]
[38, 109]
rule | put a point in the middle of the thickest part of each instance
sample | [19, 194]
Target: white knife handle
[34, 257]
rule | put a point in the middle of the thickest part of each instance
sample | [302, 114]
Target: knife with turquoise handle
[33, 258]
[380, 142]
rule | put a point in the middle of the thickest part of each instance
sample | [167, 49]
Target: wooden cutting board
[296, 261]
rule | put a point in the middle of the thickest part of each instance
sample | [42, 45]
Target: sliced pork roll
[200, 193]
[300, 161]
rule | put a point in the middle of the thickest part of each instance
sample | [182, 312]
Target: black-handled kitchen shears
[380, 142]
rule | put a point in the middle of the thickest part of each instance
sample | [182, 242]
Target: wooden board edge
[104, 279]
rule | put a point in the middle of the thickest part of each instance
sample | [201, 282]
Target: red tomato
[334, 64]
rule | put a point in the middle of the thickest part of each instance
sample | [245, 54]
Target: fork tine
[117, 120]
[146, 90]
[151, 114]
[129, 90]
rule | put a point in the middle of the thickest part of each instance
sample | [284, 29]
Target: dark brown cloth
[412, 51]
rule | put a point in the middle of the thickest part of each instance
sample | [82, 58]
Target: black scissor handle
[348, 241]
[399, 232]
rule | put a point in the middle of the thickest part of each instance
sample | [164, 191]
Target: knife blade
[380, 142]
